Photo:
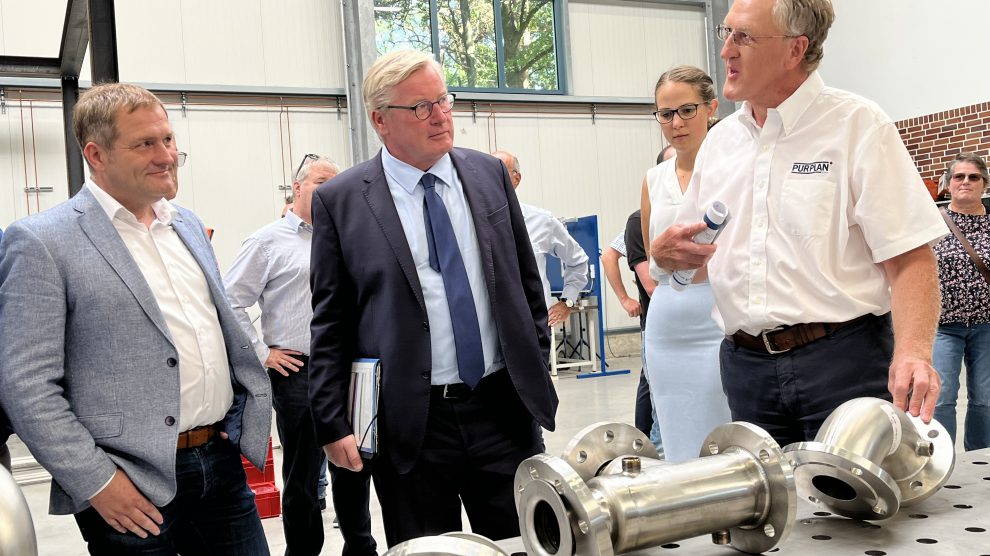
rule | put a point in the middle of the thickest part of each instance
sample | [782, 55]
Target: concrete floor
[582, 402]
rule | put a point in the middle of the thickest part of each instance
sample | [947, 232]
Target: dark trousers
[644, 405]
[213, 512]
[301, 467]
[470, 454]
[791, 394]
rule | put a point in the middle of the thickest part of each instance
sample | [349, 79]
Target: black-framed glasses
[742, 38]
[963, 177]
[685, 111]
[181, 158]
[425, 108]
[295, 175]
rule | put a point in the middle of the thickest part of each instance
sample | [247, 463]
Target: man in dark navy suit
[421, 259]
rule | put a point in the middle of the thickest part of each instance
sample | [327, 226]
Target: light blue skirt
[682, 346]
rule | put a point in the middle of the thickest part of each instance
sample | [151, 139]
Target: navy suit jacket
[368, 302]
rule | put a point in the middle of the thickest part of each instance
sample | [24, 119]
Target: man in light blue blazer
[122, 366]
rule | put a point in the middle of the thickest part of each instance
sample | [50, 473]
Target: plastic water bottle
[715, 217]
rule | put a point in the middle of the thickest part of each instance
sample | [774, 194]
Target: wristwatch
[568, 302]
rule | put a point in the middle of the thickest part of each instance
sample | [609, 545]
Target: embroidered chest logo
[820, 167]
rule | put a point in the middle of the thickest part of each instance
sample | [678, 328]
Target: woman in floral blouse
[964, 326]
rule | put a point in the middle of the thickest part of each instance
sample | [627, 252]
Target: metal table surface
[954, 522]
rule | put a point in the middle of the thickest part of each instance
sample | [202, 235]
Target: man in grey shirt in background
[272, 270]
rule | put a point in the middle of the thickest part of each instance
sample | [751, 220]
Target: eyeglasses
[742, 38]
[181, 158]
[424, 109]
[963, 177]
[685, 111]
[306, 157]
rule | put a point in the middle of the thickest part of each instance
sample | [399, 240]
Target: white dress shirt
[272, 270]
[408, 195]
[666, 198]
[818, 197]
[183, 297]
[549, 237]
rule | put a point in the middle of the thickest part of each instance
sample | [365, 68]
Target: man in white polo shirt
[826, 257]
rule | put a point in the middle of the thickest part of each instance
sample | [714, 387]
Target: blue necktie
[445, 258]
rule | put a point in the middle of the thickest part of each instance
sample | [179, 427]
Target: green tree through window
[468, 39]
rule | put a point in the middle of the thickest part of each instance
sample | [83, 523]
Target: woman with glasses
[682, 341]
[964, 325]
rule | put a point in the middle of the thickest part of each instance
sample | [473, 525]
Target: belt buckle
[445, 396]
[766, 342]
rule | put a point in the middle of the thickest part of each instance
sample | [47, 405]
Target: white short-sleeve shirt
[818, 197]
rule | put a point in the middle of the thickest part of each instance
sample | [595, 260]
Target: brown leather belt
[786, 338]
[194, 438]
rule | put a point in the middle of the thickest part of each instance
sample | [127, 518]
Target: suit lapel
[382, 206]
[480, 209]
[99, 229]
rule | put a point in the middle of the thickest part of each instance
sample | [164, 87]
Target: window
[474, 36]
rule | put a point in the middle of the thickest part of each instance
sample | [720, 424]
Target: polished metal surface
[869, 459]
[449, 544]
[590, 450]
[17, 536]
[741, 490]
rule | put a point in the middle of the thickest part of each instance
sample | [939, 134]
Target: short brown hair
[690, 75]
[95, 115]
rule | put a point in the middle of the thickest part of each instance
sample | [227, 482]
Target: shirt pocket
[806, 207]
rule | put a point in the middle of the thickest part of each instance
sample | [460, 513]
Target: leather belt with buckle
[783, 339]
[455, 391]
[194, 438]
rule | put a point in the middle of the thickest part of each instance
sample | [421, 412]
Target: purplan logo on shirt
[821, 167]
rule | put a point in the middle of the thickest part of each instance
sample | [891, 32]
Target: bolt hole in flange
[916, 485]
[918, 516]
[979, 462]
[609, 437]
[670, 546]
[546, 528]
[821, 537]
[976, 529]
[834, 488]
[962, 506]
[869, 553]
[582, 456]
[952, 487]
[927, 541]
[822, 514]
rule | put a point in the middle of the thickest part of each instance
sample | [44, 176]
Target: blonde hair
[690, 75]
[94, 118]
[390, 70]
[809, 18]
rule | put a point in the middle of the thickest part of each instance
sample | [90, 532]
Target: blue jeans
[213, 512]
[955, 343]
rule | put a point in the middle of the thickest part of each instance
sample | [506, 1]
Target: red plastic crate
[266, 497]
[254, 476]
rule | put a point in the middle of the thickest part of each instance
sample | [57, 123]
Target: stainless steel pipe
[741, 490]
[870, 458]
[17, 536]
[456, 543]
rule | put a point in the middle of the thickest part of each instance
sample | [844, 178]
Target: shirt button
[766, 147]
[171, 362]
[426, 326]
[170, 420]
[757, 300]
[425, 375]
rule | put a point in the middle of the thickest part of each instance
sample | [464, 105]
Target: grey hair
[515, 161]
[809, 18]
[303, 172]
[390, 70]
[972, 158]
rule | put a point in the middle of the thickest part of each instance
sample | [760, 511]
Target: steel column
[360, 53]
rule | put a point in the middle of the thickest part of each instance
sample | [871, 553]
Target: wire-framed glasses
[302, 163]
[685, 111]
[742, 38]
[425, 108]
[181, 158]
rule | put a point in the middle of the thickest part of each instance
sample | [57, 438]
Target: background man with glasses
[135, 388]
[824, 277]
[421, 259]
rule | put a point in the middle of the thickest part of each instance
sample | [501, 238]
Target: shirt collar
[407, 177]
[793, 107]
[296, 223]
[164, 211]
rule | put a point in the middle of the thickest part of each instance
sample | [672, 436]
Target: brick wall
[935, 139]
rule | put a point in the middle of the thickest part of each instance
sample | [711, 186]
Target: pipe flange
[935, 472]
[596, 445]
[845, 483]
[476, 538]
[460, 544]
[782, 511]
[558, 514]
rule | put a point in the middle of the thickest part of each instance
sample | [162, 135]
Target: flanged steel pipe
[870, 458]
[604, 498]
[455, 543]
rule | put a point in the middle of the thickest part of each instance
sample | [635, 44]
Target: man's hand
[558, 313]
[631, 306]
[282, 361]
[915, 376]
[125, 509]
[675, 248]
[344, 453]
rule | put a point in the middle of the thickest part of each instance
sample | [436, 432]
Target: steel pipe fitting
[17, 536]
[741, 490]
[870, 458]
[456, 543]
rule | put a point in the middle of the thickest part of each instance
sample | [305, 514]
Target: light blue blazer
[84, 351]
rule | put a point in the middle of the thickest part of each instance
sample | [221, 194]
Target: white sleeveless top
[665, 200]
